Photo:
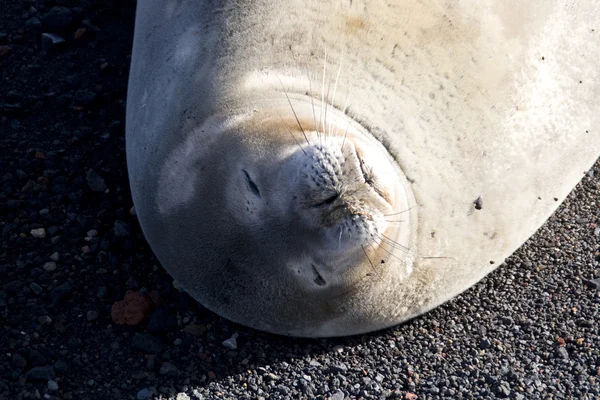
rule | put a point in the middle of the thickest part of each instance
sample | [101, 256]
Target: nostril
[332, 198]
[329, 200]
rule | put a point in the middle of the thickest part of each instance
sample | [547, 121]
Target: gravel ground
[71, 248]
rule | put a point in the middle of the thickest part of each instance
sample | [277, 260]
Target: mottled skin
[324, 223]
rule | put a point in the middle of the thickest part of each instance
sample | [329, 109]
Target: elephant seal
[325, 168]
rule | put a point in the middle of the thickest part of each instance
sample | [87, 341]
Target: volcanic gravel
[71, 247]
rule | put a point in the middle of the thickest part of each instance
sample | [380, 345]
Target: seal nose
[337, 201]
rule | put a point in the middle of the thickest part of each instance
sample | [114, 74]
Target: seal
[319, 169]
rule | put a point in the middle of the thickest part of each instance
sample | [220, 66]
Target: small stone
[339, 367]
[79, 33]
[122, 228]
[410, 396]
[338, 349]
[92, 315]
[41, 373]
[562, 353]
[168, 369]
[52, 385]
[44, 320]
[101, 292]
[18, 361]
[132, 309]
[95, 181]
[144, 394]
[177, 342]
[51, 40]
[33, 23]
[593, 283]
[55, 256]
[49, 266]
[339, 395]
[37, 289]
[485, 344]
[231, 343]
[146, 343]
[57, 19]
[161, 322]
[182, 396]
[39, 233]
[271, 376]
[61, 292]
[194, 329]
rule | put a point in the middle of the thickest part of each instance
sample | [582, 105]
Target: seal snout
[337, 201]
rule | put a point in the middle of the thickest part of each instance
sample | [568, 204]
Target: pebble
[60, 293]
[41, 373]
[38, 233]
[146, 343]
[49, 266]
[52, 385]
[562, 353]
[18, 361]
[51, 41]
[168, 369]
[339, 395]
[144, 394]
[55, 256]
[57, 19]
[593, 283]
[37, 289]
[92, 315]
[122, 229]
[182, 396]
[95, 181]
[161, 322]
[231, 343]
[338, 349]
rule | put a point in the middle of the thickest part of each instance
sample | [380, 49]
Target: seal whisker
[345, 135]
[389, 252]
[294, 111]
[392, 243]
[323, 90]
[325, 120]
[337, 78]
[401, 212]
[287, 128]
[312, 101]
[370, 262]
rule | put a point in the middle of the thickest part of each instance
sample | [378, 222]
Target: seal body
[324, 168]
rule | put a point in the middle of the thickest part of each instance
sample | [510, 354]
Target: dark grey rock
[57, 19]
[122, 228]
[161, 322]
[95, 181]
[41, 373]
[146, 343]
